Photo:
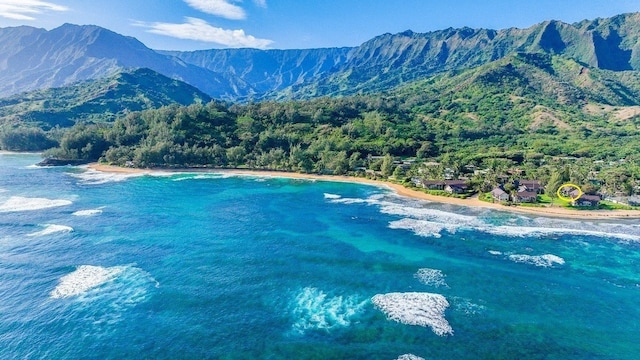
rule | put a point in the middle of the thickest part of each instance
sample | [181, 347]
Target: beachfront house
[587, 201]
[433, 184]
[455, 186]
[525, 197]
[529, 186]
[499, 194]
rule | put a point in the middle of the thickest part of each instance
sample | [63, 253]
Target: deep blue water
[206, 266]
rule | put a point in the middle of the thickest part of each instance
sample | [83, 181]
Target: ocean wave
[422, 227]
[415, 308]
[314, 309]
[199, 176]
[524, 231]
[467, 307]
[125, 282]
[102, 295]
[371, 200]
[435, 215]
[85, 277]
[331, 196]
[52, 229]
[495, 252]
[547, 260]
[430, 222]
[18, 203]
[90, 212]
[431, 277]
[94, 177]
[409, 357]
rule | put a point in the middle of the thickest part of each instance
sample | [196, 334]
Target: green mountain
[32, 59]
[526, 106]
[529, 103]
[101, 100]
[390, 60]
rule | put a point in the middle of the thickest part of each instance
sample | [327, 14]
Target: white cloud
[25, 9]
[221, 8]
[261, 3]
[200, 30]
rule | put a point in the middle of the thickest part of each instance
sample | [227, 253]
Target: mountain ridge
[97, 100]
[32, 58]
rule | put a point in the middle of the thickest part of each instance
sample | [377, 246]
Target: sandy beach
[399, 189]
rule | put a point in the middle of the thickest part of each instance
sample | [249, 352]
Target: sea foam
[414, 308]
[85, 277]
[422, 227]
[314, 309]
[18, 203]
[94, 177]
[331, 196]
[52, 229]
[409, 357]
[524, 231]
[431, 277]
[91, 212]
[546, 260]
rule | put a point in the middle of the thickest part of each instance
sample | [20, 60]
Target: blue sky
[289, 24]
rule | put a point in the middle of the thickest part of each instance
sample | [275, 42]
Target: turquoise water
[206, 266]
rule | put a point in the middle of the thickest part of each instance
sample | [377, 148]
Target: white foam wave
[524, 231]
[83, 279]
[372, 200]
[414, 308]
[331, 196]
[94, 177]
[91, 212]
[409, 357]
[196, 176]
[431, 277]
[429, 222]
[52, 229]
[3, 190]
[495, 252]
[422, 227]
[423, 213]
[546, 260]
[467, 307]
[18, 203]
[314, 309]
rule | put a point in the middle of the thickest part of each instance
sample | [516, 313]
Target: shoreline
[398, 189]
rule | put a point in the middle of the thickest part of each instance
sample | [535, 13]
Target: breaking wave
[409, 357]
[429, 222]
[331, 196]
[523, 231]
[52, 229]
[91, 212]
[422, 227]
[546, 260]
[414, 308]
[95, 177]
[18, 203]
[102, 295]
[314, 309]
[431, 277]
[83, 279]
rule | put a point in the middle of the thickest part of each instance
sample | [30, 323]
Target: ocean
[210, 266]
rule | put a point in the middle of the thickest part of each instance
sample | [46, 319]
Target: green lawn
[546, 199]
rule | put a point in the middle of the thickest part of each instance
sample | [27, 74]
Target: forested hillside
[532, 112]
[25, 117]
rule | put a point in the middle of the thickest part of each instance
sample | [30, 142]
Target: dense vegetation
[516, 117]
[25, 117]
